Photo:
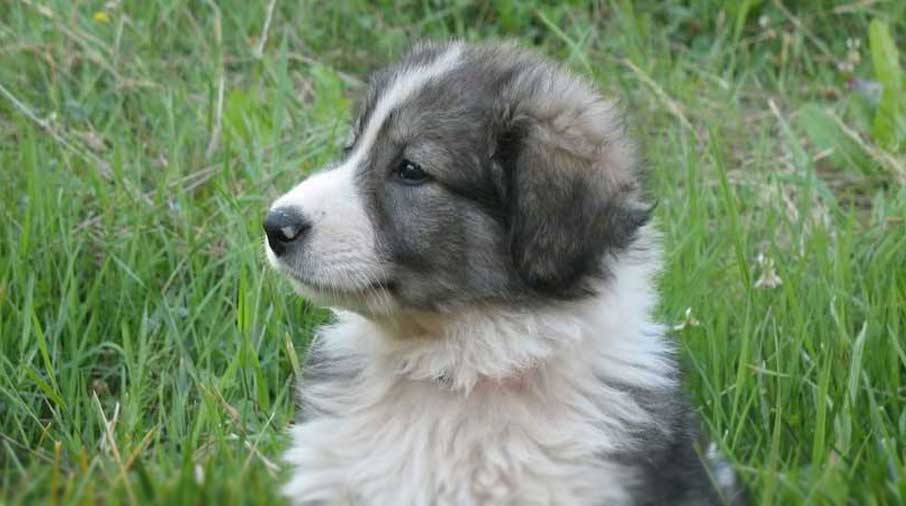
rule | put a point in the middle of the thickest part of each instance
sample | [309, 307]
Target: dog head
[475, 174]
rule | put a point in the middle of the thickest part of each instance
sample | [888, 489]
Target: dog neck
[610, 331]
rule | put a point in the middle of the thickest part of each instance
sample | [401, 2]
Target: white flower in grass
[768, 277]
[688, 321]
[853, 56]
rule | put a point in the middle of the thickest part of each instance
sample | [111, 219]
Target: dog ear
[570, 188]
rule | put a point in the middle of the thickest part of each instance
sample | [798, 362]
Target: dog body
[486, 239]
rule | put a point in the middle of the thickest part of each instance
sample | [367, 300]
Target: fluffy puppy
[486, 247]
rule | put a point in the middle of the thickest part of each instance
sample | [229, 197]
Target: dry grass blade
[672, 105]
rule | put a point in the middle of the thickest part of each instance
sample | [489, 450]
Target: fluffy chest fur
[494, 407]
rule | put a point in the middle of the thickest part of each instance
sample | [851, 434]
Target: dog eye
[410, 172]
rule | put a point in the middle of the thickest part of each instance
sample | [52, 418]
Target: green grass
[148, 355]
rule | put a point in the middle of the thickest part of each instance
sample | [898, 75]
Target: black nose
[283, 227]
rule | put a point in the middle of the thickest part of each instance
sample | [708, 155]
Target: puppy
[486, 245]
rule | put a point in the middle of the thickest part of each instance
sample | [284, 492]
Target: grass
[148, 355]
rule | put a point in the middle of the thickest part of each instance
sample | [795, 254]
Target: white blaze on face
[403, 86]
[340, 252]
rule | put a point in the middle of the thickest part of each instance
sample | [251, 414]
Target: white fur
[404, 84]
[723, 472]
[496, 406]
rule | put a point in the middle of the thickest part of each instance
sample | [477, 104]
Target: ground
[147, 354]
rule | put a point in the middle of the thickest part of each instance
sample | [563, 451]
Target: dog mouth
[383, 286]
[356, 287]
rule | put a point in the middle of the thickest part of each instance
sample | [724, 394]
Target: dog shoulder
[333, 365]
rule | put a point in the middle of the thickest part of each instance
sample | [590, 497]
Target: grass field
[148, 355]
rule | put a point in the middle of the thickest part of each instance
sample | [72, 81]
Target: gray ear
[571, 197]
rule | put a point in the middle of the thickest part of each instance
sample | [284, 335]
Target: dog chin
[372, 300]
